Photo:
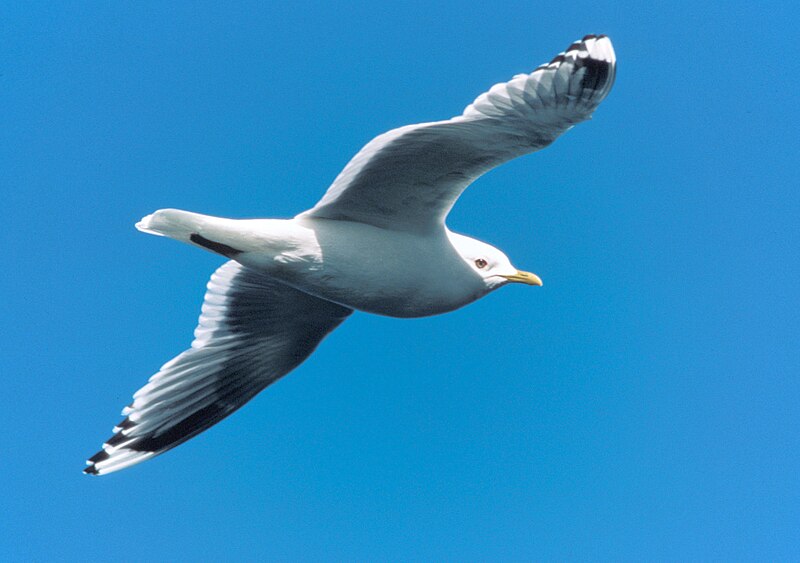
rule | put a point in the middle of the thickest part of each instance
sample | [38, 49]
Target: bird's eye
[481, 263]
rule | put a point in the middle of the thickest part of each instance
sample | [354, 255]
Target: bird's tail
[216, 234]
[173, 223]
[212, 233]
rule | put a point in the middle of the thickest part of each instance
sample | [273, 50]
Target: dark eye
[481, 263]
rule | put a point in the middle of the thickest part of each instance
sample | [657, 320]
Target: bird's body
[376, 242]
[353, 264]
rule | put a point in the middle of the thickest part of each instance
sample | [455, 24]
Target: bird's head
[490, 263]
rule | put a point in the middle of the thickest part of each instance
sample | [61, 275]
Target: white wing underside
[252, 331]
[409, 178]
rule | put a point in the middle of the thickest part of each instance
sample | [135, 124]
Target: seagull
[376, 242]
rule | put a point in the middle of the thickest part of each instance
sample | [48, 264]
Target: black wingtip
[125, 424]
[116, 439]
[102, 455]
[597, 73]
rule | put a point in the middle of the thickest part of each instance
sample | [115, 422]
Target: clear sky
[642, 404]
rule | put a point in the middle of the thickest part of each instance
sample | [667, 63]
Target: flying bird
[376, 242]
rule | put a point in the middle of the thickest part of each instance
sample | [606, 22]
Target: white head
[488, 262]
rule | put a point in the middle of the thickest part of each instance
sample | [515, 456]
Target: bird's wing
[252, 331]
[409, 178]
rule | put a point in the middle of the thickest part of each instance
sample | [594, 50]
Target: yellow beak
[524, 277]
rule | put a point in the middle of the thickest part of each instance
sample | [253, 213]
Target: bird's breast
[390, 273]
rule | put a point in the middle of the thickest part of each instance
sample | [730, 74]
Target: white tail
[211, 233]
[173, 223]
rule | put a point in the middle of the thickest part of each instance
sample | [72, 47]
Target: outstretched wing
[409, 178]
[252, 331]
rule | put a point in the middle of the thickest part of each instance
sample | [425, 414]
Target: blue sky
[643, 403]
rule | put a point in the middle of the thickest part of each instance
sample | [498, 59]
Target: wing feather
[252, 331]
[409, 178]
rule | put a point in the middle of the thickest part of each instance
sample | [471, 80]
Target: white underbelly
[376, 271]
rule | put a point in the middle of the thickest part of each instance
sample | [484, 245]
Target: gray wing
[252, 331]
[409, 178]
